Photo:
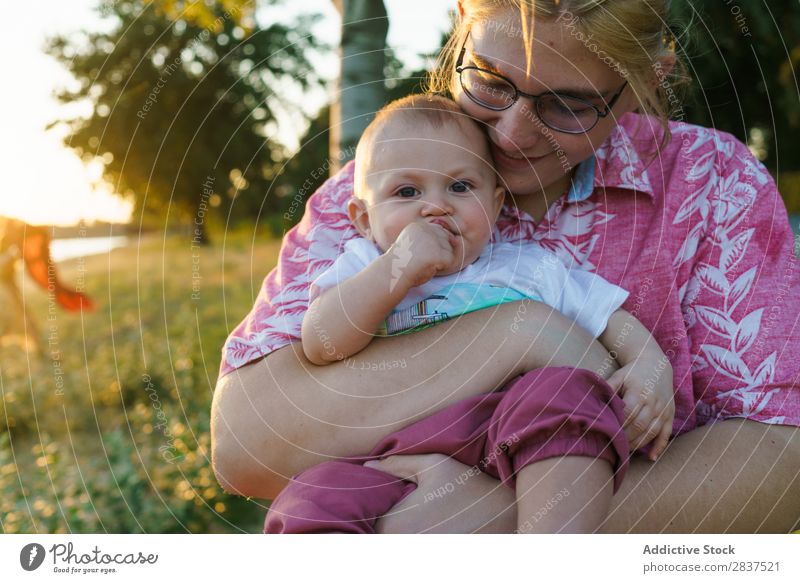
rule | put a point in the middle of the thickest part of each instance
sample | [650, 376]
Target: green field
[109, 430]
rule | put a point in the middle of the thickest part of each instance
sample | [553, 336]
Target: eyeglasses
[558, 111]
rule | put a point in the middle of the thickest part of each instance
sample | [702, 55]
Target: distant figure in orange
[31, 244]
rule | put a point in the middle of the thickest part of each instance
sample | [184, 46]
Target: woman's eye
[566, 106]
[407, 192]
[461, 186]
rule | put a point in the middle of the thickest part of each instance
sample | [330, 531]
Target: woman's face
[529, 156]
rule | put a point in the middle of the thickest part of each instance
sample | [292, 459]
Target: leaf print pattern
[568, 231]
[724, 200]
[711, 224]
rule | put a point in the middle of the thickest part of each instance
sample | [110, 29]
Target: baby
[426, 200]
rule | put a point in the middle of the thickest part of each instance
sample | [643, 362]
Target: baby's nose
[436, 203]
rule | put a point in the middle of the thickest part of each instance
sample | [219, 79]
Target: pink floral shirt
[698, 235]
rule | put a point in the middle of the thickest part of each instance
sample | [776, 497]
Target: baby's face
[416, 172]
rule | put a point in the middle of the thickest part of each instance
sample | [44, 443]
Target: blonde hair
[633, 34]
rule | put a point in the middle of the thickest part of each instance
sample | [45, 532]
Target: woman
[681, 216]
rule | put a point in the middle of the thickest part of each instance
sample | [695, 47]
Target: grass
[109, 431]
[118, 439]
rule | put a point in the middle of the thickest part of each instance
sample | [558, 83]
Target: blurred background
[153, 154]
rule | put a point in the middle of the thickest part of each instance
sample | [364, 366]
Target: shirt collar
[618, 164]
[615, 164]
[583, 181]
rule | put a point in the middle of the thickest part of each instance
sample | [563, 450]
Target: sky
[44, 182]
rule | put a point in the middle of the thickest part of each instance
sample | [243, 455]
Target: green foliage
[742, 56]
[789, 187]
[308, 168]
[204, 13]
[118, 440]
[184, 116]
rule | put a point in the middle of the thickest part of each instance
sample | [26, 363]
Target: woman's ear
[357, 211]
[461, 8]
[663, 67]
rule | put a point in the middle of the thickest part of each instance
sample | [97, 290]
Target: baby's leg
[569, 494]
[557, 438]
[336, 496]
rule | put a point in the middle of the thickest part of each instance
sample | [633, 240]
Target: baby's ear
[357, 211]
[499, 198]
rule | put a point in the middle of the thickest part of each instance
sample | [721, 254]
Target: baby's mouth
[452, 236]
[446, 225]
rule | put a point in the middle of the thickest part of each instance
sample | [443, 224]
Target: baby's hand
[421, 251]
[646, 387]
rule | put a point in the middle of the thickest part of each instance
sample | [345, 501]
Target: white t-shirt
[526, 268]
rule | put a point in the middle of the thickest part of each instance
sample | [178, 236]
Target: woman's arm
[278, 416]
[735, 476]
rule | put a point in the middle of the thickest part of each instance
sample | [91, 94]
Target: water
[62, 249]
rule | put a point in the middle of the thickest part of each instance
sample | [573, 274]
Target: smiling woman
[682, 217]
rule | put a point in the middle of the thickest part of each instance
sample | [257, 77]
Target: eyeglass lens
[559, 112]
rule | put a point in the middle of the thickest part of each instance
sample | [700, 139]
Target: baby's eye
[461, 186]
[407, 192]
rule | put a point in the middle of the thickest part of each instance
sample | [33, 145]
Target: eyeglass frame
[535, 98]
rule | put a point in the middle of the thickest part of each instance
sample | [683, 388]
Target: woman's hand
[450, 498]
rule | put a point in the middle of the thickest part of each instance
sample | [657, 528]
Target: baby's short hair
[429, 108]
[434, 109]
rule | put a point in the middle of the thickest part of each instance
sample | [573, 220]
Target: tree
[204, 14]
[361, 89]
[311, 164]
[184, 116]
[742, 58]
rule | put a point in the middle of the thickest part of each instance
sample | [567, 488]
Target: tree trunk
[361, 90]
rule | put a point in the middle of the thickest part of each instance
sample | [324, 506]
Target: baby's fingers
[616, 381]
[633, 409]
[661, 441]
[643, 429]
[654, 431]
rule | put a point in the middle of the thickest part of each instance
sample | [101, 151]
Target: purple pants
[545, 413]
